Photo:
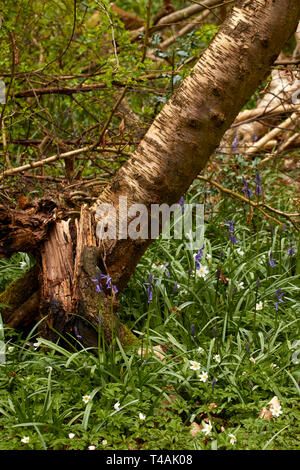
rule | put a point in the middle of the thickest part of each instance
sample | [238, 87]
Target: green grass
[42, 386]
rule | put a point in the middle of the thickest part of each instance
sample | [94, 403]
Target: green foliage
[42, 385]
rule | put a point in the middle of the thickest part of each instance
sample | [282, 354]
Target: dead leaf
[156, 351]
[195, 428]
[274, 403]
[265, 412]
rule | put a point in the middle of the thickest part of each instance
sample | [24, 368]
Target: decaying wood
[15, 297]
[24, 230]
[27, 313]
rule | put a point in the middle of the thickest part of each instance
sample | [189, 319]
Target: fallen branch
[273, 133]
[254, 114]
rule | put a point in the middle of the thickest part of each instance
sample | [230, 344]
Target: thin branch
[146, 30]
[53, 158]
[256, 205]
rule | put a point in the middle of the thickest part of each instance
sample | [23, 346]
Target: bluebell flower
[192, 327]
[175, 287]
[98, 282]
[149, 288]
[235, 143]
[291, 251]
[166, 269]
[248, 192]
[258, 184]
[181, 203]
[279, 294]
[199, 257]
[230, 235]
[272, 260]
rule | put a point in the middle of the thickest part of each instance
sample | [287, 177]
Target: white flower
[10, 348]
[203, 377]
[259, 306]
[92, 447]
[240, 252]
[240, 286]
[217, 358]
[273, 366]
[117, 406]
[208, 256]
[202, 271]
[276, 410]
[36, 345]
[194, 365]
[141, 416]
[232, 439]
[86, 398]
[23, 264]
[25, 440]
[71, 435]
[207, 428]
[200, 350]
[252, 360]
[104, 442]
[49, 369]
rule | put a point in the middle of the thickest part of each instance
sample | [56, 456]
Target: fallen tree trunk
[74, 261]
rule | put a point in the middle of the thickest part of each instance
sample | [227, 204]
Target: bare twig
[103, 7]
[146, 30]
[260, 206]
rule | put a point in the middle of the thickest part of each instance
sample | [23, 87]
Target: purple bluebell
[291, 251]
[235, 143]
[109, 284]
[272, 261]
[181, 203]
[149, 288]
[189, 272]
[257, 181]
[279, 294]
[213, 384]
[98, 282]
[192, 327]
[254, 138]
[199, 257]
[248, 192]
[175, 287]
[166, 269]
[230, 235]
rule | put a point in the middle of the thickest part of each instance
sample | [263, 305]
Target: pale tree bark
[172, 153]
